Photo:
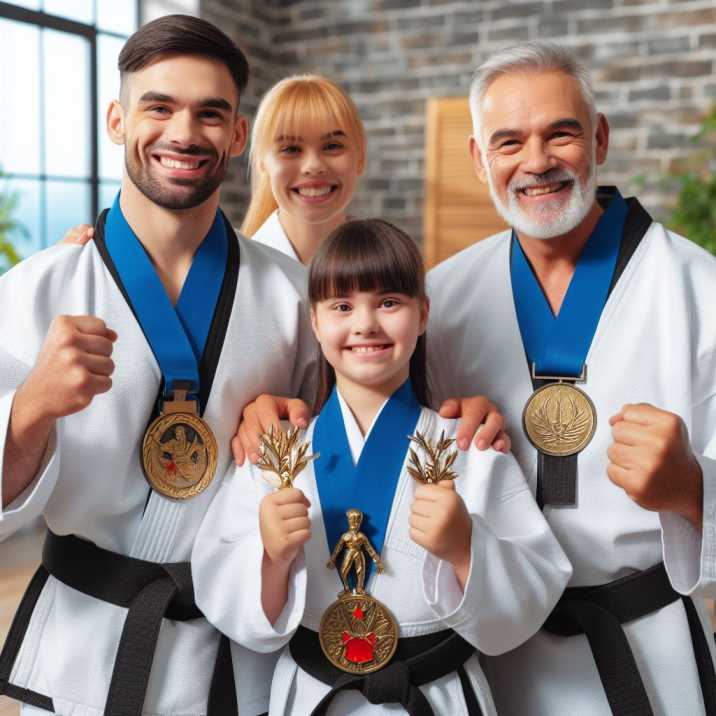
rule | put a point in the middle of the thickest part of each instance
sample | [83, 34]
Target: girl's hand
[80, 235]
[440, 522]
[284, 523]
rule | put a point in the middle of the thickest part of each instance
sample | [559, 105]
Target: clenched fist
[73, 366]
[652, 461]
[440, 522]
[284, 524]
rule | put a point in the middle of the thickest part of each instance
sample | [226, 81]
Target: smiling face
[178, 123]
[369, 337]
[313, 176]
[538, 148]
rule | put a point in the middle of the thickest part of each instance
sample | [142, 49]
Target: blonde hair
[291, 104]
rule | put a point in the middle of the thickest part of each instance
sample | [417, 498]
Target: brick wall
[653, 62]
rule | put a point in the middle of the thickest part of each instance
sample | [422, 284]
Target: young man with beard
[180, 323]
[593, 328]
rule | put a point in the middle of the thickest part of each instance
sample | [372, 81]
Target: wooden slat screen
[458, 208]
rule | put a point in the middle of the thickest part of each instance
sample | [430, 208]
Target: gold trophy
[438, 460]
[357, 633]
[283, 455]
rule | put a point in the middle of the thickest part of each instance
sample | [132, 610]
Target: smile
[187, 165]
[315, 192]
[369, 348]
[543, 189]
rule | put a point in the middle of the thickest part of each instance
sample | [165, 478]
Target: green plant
[8, 225]
[694, 214]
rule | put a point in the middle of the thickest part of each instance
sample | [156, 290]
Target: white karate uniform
[517, 572]
[655, 343]
[91, 482]
[272, 234]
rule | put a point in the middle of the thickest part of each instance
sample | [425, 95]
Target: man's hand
[440, 522]
[284, 524]
[79, 234]
[479, 419]
[72, 367]
[652, 461]
[266, 411]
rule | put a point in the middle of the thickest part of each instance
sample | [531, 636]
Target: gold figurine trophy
[357, 633]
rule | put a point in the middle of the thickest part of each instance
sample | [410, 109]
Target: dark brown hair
[183, 35]
[368, 255]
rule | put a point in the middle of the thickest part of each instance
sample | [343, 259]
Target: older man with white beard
[592, 327]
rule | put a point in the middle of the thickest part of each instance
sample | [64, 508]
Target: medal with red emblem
[179, 450]
[357, 634]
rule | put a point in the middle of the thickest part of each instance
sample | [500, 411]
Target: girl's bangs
[359, 259]
[306, 102]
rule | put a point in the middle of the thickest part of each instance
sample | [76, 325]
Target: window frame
[47, 21]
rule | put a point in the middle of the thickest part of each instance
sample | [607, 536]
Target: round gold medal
[179, 455]
[358, 634]
[559, 419]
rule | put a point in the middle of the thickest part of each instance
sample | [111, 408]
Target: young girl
[462, 565]
[307, 151]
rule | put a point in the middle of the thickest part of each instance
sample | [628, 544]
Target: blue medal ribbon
[369, 485]
[558, 345]
[177, 334]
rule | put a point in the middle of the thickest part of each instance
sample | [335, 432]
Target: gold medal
[357, 633]
[179, 450]
[559, 419]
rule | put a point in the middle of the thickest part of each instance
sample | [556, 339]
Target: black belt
[418, 660]
[151, 592]
[599, 612]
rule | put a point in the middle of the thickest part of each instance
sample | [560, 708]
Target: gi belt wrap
[151, 592]
[599, 612]
[418, 660]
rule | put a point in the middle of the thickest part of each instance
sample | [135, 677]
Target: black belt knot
[150, 592]
[599, 612]
[388, 685]
[418, 660]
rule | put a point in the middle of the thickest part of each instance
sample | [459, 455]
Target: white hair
[536, 56]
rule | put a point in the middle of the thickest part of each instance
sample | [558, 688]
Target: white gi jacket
[91, 483]
[517, 572]
[656, 343]
[271, 233]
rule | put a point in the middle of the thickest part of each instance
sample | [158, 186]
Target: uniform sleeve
[690, 554]
[226, 567]
[441, 373]
[518, 571]
[31, 502]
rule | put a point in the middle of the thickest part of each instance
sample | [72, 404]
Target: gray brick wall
[653, 62]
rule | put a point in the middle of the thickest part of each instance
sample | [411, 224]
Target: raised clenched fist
[73, 366]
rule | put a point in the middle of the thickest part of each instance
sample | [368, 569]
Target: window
[58, 72]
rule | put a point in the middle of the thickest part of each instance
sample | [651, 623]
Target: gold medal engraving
[179, 450]
[283, 455]
[559, 419]
[357, 633]
[438, 460]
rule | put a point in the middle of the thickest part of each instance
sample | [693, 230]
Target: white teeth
[314, 190]
[176, 164]
[539, 190]
[366, 349]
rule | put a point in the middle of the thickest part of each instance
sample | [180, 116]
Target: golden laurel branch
[438, 460]
[282, 454]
